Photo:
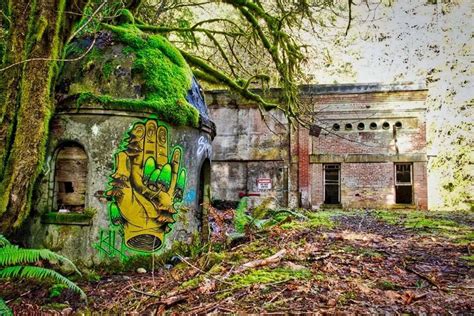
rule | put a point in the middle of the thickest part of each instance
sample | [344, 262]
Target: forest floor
[360, 262]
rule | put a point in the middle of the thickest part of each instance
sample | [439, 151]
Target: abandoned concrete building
[119, 168]
[365, 148]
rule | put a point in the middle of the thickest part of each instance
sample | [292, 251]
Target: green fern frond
[241, 219]
[12, 255]
[4, 309]
[39, 273]
[4, 241]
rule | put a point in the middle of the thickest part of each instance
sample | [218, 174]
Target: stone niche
[123, 176]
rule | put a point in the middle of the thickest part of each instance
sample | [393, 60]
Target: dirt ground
[364, 262]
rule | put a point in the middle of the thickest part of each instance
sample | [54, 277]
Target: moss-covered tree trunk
[35, 32]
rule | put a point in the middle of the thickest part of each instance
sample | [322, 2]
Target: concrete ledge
[354, 158]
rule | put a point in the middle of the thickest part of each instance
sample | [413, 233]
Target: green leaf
[241, 219]
[4, 241]
[4, 309]
[12, 255]
[39, 273]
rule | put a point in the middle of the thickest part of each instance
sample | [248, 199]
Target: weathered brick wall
[247, 147]
[317, 193]
[420, 179]
[367, 185]
[367, 153]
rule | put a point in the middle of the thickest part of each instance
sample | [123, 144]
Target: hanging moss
[164, 76]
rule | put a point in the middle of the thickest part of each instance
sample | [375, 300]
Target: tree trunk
[28, 103]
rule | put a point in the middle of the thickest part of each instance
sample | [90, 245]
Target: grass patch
[387, 285]
[345, 297]
[429, 222]
[469, 259]
[314, 219]
[267, 276]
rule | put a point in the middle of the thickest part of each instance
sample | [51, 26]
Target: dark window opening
[373, 125]
[336, 127]
[398, 124]
[385, 125]
[332, 183]
[66, 187]
[70, 178]
[360, 126]
[348, 126]
[403, 183]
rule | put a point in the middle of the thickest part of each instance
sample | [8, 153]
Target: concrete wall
[100, 133]
[247, 148]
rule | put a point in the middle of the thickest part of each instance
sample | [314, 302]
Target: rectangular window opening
[403, 183]
[332, 183]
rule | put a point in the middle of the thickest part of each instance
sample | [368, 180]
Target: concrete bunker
[128, 160]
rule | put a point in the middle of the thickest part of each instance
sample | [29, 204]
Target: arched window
[70, 178]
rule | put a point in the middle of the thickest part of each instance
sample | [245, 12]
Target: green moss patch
[430, 222]
[147, 62]
[67, 218]
[167, 77]
[266, 276]
[469, 259]
[314, 220]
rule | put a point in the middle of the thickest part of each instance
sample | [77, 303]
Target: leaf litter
[360, 262]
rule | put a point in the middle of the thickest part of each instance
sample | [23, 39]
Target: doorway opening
[403, 183]
[204, 198]
[332, 183]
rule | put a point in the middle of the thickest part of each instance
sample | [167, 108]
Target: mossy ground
[442, 223]
[335, 262]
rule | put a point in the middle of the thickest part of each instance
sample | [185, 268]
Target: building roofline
[348, 88]
[371, 87]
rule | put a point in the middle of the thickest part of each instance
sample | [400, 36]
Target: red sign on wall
[264, 184]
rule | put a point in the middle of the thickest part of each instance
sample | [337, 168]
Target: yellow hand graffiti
[146, 184]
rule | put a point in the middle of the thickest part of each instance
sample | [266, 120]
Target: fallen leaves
[354, 268]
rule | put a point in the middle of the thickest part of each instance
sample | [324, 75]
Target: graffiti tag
[203, 146]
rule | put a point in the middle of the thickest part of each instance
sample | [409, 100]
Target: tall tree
[230, 49]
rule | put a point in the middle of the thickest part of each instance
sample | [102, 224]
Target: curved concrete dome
[125, 67]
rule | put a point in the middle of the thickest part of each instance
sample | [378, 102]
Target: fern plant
[241, 219]
[16, 262]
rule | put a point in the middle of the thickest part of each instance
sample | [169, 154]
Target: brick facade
[366, 131]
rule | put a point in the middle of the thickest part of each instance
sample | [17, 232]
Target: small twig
[262, 262]
[202, 271]
[87, 22]
[350, 17]
[320, 257]
[145, 293]
[18, 296]
[427, 278]
[274, 297]
[50, 59]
